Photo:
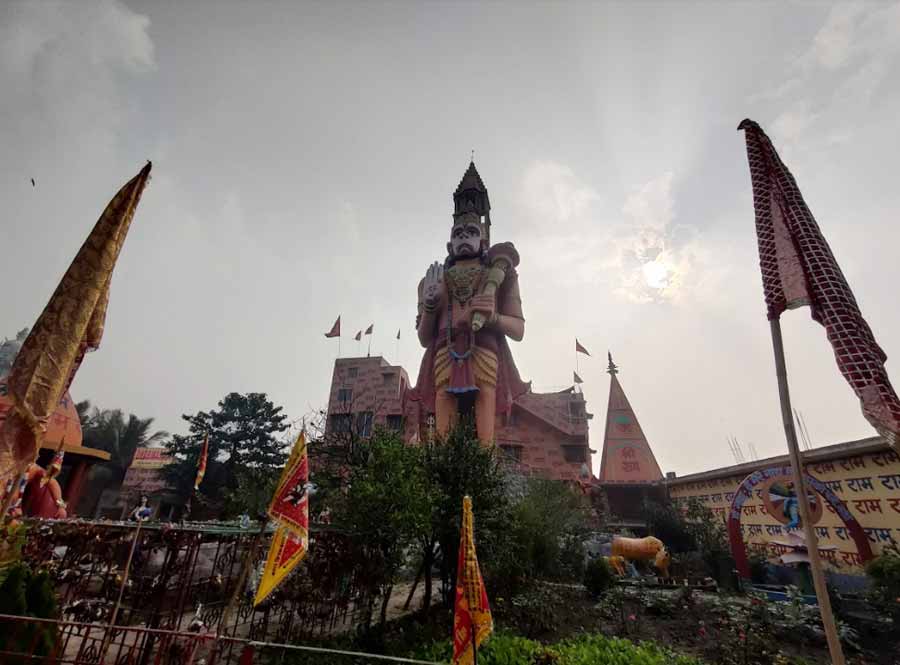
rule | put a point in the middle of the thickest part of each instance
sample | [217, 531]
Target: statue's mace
[495, 277]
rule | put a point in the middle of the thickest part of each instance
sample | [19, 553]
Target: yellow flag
[287, 550]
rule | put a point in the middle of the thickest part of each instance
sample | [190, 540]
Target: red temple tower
[629, 472]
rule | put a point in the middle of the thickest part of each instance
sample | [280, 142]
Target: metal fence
[180, 581]
[26, 641]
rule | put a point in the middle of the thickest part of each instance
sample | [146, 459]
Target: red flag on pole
[201, 463]
[799, 269]
[335, 329]
[579, 348]
[576, 378]
[370, 329]
[358, 336]
[398, 333]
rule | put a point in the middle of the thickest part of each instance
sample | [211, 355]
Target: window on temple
[574, 453]
[388, 379]
[345, 394]
[352, 372]
[512, 452]
[364, 423]
[395, 422]
[340, 423]
[576, 409]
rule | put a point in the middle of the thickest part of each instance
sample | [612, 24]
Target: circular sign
[780, 499]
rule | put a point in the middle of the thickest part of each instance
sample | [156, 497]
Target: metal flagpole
[107, 638]
[242, 578]
[812, 543]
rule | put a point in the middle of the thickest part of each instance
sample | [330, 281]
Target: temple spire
[626, 457]
[472, 196]
[611, 369]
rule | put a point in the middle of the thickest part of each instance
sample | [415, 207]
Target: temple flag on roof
[335, 329]
[290, 510]
[358, 336]
[799, 269]
[576, 378]
[370, 329]
[398, 333]
[579, 348]
[472, 621]
[71, 324]
[626, 457]
[201, 462]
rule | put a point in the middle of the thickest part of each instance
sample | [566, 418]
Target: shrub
[598, 577]
[27, 594]
[885, 574]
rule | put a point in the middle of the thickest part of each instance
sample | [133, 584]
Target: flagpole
[107, 636]
[242, 579]
[812, 543]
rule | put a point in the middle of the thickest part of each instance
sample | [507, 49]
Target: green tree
[384, 506]
[456, 466]
[111, 431]
[245, 454]
[667, 523]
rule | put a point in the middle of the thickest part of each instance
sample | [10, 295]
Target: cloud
[553, 192]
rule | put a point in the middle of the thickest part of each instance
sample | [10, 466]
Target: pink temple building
[545, 434]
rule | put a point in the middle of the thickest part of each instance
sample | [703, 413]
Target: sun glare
[656, 274]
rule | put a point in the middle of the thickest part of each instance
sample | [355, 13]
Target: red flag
[577, 378]
[201, 463]
[335, 329]
[398, 333]
[579, 348]
[799, 269]
[358, 336]
[369, 329]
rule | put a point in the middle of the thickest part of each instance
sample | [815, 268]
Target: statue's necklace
[461, 283]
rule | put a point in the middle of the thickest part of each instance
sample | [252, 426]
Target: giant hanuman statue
[467, 308]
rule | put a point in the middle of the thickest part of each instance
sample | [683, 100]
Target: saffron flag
[201, 463]
[799, 269]
[579, 348]
[287, 550]
[358, 336]
[576, 378]
[472, 621]
[370, 329]
[290, 503]
[398, 333]
[335, 329]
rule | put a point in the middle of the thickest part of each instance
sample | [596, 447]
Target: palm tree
[109, 430]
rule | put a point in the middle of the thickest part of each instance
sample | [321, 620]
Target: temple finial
[611, 369]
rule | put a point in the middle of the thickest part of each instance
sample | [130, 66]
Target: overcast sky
[305, 155]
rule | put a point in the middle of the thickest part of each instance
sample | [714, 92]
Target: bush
[27, 594]
[502, 649]
[885, 574]
[598, 577]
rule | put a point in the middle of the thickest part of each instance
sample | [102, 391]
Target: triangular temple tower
[629, 473]
[627, 457]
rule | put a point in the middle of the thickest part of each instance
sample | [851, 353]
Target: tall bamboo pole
[812, 543]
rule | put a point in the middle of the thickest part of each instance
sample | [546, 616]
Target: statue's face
[465, 239]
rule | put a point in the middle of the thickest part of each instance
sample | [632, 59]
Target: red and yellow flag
[290, 510]
[201, 463]
[472, 621]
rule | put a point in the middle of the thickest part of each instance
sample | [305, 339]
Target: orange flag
[335, 329]
[472, 621]
[201, 463]
[71, 324]
[579, 348]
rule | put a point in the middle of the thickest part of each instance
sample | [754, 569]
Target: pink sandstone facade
[545, 434]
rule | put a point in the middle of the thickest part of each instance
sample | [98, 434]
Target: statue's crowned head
[467, 236]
